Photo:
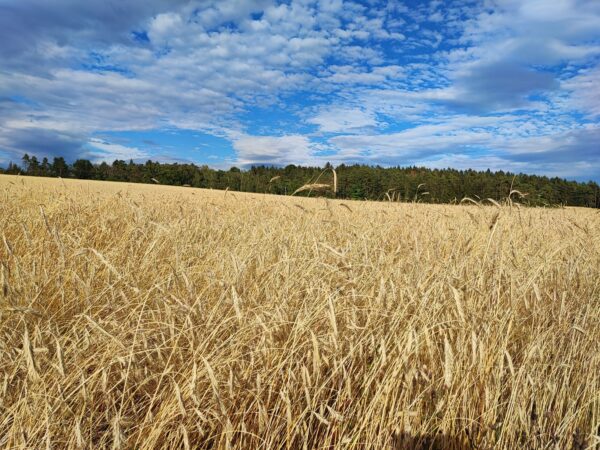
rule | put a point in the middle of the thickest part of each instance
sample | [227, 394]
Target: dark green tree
[83, 169]
[26, 160]
[45, 169]
[34, 167]
[59, 167]
[12, 169]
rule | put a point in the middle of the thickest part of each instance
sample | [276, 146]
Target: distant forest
[360, 182]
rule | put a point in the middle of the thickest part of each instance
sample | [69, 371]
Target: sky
[509, 85]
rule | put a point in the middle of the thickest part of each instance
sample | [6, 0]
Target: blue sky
[508, 84]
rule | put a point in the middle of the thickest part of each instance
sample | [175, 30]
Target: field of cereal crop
[139, 316]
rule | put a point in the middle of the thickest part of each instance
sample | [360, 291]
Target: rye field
[141, 317]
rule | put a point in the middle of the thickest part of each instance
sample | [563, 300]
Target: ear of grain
[32, 370]
[312, 187]
[469, 200]
[59, 358]
[332, 319]
[215, 386]
[448, 363]
[459, 304]
[117, 436]
[180, 404]
[236, 303]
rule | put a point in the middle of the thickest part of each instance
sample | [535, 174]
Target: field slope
[137, 316]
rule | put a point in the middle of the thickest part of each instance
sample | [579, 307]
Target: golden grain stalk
[313, 187]
[319, 187]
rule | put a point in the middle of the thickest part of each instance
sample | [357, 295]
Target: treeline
[353, 181]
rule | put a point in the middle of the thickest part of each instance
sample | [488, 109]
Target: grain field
[141, 317]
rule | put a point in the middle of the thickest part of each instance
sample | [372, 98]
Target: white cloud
[164, 25]
[510, 77]
[102, 150]
[584, 91]
[274, 150]
[336, 120]
[507, 43]
[412, 143]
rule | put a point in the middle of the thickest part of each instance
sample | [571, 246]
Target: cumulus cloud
[103, 151]
[337, 120]
[275, 150]
[381, 83]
